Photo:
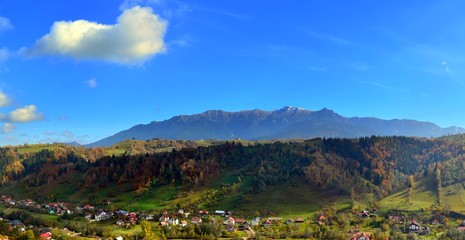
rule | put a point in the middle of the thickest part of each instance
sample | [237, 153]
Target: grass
[454, 198]
[41, 216]
[32, 148]
[156, 198]
[292, 200]
[423, 196]
[458, 138]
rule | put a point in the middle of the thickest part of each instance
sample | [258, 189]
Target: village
[232, 226]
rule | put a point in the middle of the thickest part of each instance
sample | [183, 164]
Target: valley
[294, 179]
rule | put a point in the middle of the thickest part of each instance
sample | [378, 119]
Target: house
[267, 223]
[119, 238]
[289, 221]
[196, 220]
[163, 224]
[435, 222]
[240, 221]
[204, 212]
[173, 221]
[46, 235]
[122, 212]
[360, 236]
[299, 220]
[183, 223]
[229, 221]
[120, 223]
[181, 211]
[88, 207]
[414, 227]
[164, 218]
[255, 222]
[102, 216]
[363, 214]
[219, 212]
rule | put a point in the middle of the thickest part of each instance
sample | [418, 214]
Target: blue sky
[84, 70]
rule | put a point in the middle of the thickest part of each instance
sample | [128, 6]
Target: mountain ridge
[285, 123]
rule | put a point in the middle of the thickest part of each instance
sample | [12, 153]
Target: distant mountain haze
[285, 123]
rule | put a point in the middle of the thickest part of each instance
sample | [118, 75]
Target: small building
[267, 223]
[204, 212]
[196, 220]
[164, 218]
[360, 236]
[229, 221]
[240, 221]
[219, 212]
[173, 221]
[46, 235]
[255, 222]
[414, 227]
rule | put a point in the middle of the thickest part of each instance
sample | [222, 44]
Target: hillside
[285, 123]
[275, 177]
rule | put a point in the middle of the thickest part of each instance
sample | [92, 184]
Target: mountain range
[285, 123]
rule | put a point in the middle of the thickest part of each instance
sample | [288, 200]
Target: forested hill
[285, 123]
[372, 164]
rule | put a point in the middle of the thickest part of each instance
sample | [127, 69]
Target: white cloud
[5, 24]
[4, 100]
[67, 134]
[63, 118]
[10, 139]
[26, 114]
[137, 36]
[8, 128]
[4, 54]
[91, 83]
[127, 4]
[333, 39]
[47, 133]
[446, 68]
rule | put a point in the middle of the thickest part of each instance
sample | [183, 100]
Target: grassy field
[454, 198]
[458, 138]
[423, 196]
[292, 200]
[32, 148]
